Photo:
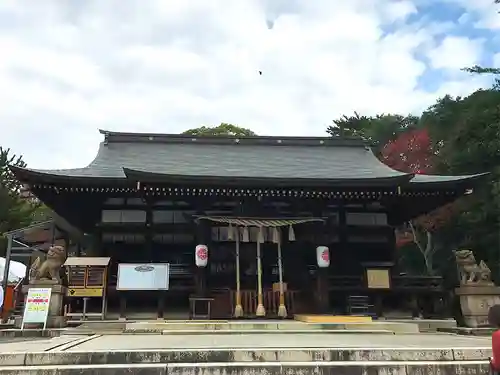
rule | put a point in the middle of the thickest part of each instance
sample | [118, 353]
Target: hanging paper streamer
[291, 233]
[276, 235]
[201, 255]
[246, 235]
[260, 236]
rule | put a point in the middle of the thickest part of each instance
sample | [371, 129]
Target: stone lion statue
[469, 271]
[50, 268]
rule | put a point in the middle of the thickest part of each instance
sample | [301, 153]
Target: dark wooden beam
[167, 228]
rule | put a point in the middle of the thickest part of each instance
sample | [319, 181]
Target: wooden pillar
[322, 274]
[148, 232]
[161, 304]
[343, 226]
[96, 248]
[343, 239]
[322, 293]
[123, 306]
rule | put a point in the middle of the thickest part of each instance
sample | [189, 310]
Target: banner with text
[37, 306]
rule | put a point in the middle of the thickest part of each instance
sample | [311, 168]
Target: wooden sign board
[378, 278]
[85, 292]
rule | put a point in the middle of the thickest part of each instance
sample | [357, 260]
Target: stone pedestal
[56, 318]
[475, 301]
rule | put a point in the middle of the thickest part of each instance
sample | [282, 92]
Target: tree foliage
[455, 136]
[376, 130]
[15, 210]
[476, 69]
[410, 152]
[223, 129]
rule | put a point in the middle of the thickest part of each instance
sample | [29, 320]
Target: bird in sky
[260, 72]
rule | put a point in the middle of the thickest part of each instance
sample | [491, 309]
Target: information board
[37, 306]
[378, 278]
[147, 276]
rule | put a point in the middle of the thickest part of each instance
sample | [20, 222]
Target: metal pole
[5, 280]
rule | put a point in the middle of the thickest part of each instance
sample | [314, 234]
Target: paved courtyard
[245, 341]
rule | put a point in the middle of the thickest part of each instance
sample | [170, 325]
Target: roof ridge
[132, 137]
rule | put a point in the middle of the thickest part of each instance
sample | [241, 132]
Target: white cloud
[456, 53]
[485, 10]
[68, 68]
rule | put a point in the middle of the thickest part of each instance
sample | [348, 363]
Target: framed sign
[378, 278]
[145, 276]
[37, 306]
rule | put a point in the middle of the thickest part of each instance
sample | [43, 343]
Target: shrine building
[263, 226]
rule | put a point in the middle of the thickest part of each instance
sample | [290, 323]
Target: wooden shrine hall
[257, 226]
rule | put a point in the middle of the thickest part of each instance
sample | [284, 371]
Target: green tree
[476, 69]
[467, 137]
[464, 136]
[223, 129]
[15, 211]
[377, 130]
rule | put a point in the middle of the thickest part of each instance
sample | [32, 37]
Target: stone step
[274, 355]
[255, 331]
[160, 326]
[264, 368]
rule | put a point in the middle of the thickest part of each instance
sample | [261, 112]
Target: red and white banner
[201, 255]
[323, 256]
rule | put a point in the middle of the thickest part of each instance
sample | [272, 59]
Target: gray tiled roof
[257, 157]
[234, 161]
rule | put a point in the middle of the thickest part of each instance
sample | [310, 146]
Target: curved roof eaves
[433, 180]
[87, 173]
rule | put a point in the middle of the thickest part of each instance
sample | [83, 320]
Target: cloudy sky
[68, 68]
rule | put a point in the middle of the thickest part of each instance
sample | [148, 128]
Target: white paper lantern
[201, 255]
[323, 256]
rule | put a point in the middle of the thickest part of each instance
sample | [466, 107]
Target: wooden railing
[406, 282]
[417, 282]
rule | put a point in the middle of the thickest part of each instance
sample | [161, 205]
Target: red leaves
[410, 152]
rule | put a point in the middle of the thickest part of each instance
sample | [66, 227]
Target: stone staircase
[262, 327]
[262, 348]
[289, 361]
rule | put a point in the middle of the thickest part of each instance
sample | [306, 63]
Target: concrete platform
[264, 368]
[429, 325]
[332, 319]
[469, 331]
[200, 327]
[278, 353]
[225, 355]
